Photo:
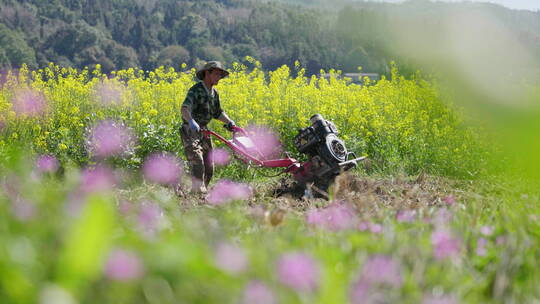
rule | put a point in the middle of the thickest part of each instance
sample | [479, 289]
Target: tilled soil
[369, 195]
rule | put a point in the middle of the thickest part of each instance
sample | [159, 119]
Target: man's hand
[194, 126]
[229, 125]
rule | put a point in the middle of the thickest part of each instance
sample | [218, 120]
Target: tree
[173, 56]
[69, 39]
[14, 49]
[124, 56]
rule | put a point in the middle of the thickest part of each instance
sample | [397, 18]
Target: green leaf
[87, 243]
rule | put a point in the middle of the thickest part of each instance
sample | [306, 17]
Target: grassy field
[430, 220]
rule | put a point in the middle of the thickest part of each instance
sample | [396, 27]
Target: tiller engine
[326, 153]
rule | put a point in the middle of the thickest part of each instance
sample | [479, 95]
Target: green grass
[59, 247]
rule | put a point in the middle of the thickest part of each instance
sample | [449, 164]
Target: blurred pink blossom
[11, 186]
[336, 217]
[257, 292]
[406, 216]
[377, 271]
[315, 217]
[123, 265]
[375, 228]
[442, 299]
[361, 292]
[298, 271]
[125, 207]
[501, 240]
[162, 169]
[149, 216]
[442, 217]
[340, 216]
[371, 227]
[265, 140]
[231, 258]
[225, 191]
[75, 203]
[109, 93]
[444, 244]
[382, 269]
[28, 102]
[109, 138]
[487, 230]
[47, 164]
[256, 211]
[450, 200]
[481, 249]
[96, 179]
[23, 209]
[220, 157]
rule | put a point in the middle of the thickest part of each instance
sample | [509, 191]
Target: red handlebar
[289, 163]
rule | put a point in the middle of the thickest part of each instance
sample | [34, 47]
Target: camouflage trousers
[197, 148]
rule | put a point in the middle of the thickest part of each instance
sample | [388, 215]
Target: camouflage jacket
[202, 106]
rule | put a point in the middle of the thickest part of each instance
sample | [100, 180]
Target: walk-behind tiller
[327, 154]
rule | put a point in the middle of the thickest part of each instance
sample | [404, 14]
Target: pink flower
[442, 217]
[123, 265]
[487, 230]
[381, 269]
[231, 258]
[23, 209]
[220, 157]
[450, 200]
[96, 179]
[481, 249]
[407, 216]
[298, 271]
[28, 103]
[47, 164]
[75, 203]
[225, 191]
[371, 227]
[257, 292]
[265, 141]
[361, 292]
[340, 216]
[315, 217]
[163, 169]
[375, 228]
[335, 217]
[256, 211]
[443, 299]
[109, 93]
[125, 207]
[444, 244]
[378, 271]
[149, 216]
[109, 138]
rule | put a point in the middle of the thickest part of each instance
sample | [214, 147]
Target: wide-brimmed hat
[210, 65]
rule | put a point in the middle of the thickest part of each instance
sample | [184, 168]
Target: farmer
[200, 106]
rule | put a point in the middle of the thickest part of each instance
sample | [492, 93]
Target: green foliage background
[343, 35]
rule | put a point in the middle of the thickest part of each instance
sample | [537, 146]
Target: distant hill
[149, 33]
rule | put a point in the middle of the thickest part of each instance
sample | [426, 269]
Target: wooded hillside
[149, 33]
